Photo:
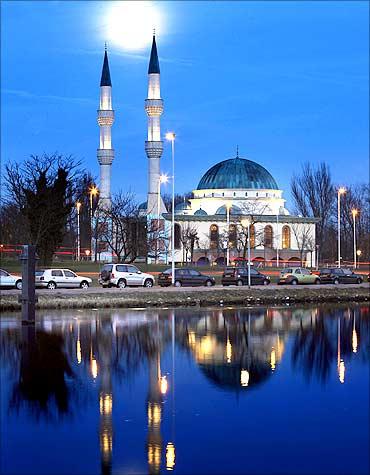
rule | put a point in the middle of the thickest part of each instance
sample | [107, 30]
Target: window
[246, 194]
[193, 272]
[234, 193]
[68, 273]
[254, 272]
[132, 269]
[121, 268]
[57, 273]
[177, 236]
[305, 272]
[256, 194]
[252, 234]
[213, 236]
[3, 273]
[223, 194]
[267, 194]
[39, 273]
[213, 195]
[298, 271]
[232, 235]
[268, 236]
[286, 237]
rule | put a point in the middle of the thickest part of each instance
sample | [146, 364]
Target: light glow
[341, 190]
[170, 136]
[244, 377]
[78, 352]
[170, 456]
[94, 368]
[341, 371]
[163, 385]
[129, 24]
[163, 179]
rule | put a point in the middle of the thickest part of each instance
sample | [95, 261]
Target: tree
[188, 237]
[314, 195]
[122, 228]
[304, 238]
[167, 199]
[249, 211]
[43, 189]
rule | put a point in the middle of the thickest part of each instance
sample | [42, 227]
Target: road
[156, 289]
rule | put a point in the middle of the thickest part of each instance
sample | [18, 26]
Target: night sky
[286, 81]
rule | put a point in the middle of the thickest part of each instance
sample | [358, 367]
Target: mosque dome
[233, 210]
[200, 212]
[182, 207]
[237, 173]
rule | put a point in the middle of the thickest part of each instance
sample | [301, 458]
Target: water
[259, 390]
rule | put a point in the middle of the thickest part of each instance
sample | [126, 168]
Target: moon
[130, 24]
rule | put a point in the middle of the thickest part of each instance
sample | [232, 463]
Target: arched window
[232, 236]
[177, 236]
[268, 236]
[213, 236]
[252, 235]
[286, 237]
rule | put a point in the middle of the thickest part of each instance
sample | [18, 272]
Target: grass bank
[189, 297]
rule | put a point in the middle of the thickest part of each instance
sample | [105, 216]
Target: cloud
[30, 95]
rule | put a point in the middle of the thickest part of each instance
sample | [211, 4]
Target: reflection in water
[235, 350]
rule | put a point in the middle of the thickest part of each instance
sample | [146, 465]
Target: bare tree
[305, 239]
[179, 198]
[314, 195]
[122, 228]
[158, 239]
[250, 211]
[188, 238]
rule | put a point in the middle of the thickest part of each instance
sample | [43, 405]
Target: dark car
[239, 276]
[335, 275]
[183, 277]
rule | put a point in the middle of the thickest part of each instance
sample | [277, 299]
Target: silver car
[10, 281]
[123, 275]
[53, 278]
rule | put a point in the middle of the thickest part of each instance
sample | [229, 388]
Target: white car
[123, 275]
[53, 278]
[10, 281]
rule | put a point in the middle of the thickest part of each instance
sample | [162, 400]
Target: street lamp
[341, 191]
[228, 206]
[78, 206]
[354, 214]
[171, 137]
[161, 179]
[358, 254]
[92, 192]
[277, 240]
[246, 223]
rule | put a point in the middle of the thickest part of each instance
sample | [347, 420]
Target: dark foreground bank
[173, 297]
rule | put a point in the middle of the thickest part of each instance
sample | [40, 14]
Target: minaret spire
[154, 144]
[105, 151]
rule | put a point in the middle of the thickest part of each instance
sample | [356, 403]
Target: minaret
[105, 121]
[154, 144]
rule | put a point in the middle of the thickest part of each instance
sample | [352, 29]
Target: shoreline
[187, 297]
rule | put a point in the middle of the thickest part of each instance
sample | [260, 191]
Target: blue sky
[286, 81]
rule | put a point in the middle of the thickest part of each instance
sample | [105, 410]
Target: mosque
[235, 198]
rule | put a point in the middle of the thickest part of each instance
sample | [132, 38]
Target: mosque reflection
[236, 350]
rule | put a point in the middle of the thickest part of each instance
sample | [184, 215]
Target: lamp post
[358, 254]
[161, 179]
[93, 192]
[171, 137]
[228, 206]
[78, 206]
[277, 240]
[246, 222]
[354, 214]
[341, 191]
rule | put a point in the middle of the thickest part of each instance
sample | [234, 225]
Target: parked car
[239, 276]
[298, 275]
[335, 275]
[9, 281]
[53, 278]
[123, 275]
[186, 277]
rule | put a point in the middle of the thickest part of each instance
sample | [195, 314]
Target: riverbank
[187, 297]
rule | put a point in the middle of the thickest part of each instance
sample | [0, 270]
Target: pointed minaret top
[153, 63]
[105, 74]
[237, 151]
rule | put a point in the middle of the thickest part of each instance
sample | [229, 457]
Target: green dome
[237, 173]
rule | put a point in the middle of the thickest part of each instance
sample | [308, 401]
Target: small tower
[154, 144]
[105, 121]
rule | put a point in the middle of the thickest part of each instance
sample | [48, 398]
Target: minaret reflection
[157, 388]
[105, 340]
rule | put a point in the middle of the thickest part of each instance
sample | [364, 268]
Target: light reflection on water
[189, 391]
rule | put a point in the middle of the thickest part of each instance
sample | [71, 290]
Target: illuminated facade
[231, 194]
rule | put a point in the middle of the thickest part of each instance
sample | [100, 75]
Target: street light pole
[277, 240]
[161, 179]
[341, 191]
[354, 214]
[78, 206]
[171, 137]
[246, 223]
[228, 233]
[93, 192]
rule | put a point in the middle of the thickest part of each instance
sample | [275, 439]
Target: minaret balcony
[154, 107]
[105, 117]
[105, 156]
[153, 149]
